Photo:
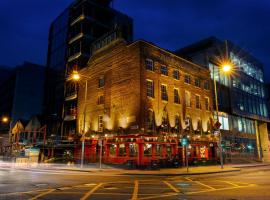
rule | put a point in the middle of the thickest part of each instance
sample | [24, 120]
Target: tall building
[241, 97]
[141, 100]
[70, 39]
[21, 95]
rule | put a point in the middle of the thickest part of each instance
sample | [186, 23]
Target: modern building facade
[21, 95]
[70, 39]
[241, 97]
[140, 101]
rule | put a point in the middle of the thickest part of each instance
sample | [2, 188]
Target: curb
[183, 174]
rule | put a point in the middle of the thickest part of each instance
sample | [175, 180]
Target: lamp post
[76, 77]
[225, 68]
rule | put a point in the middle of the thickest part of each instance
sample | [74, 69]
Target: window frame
[152, 65]
[166, 92]
[152, 88]
[176, 95]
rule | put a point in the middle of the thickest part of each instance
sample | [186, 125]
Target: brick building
[141, 100]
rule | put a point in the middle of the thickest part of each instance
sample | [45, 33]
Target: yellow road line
[88, 194]
[171, 186]
[158, 196]
[27, 192]
[42, 194]
[208, 186]
[230, 183]
[220, 189]
[188, 179]
[135, 191]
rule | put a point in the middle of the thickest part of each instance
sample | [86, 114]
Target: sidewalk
[109, 170]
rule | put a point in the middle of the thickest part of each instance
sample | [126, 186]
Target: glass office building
[242, 98]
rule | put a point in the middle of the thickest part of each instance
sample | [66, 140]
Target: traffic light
[184, 141]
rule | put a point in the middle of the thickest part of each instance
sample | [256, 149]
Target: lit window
[176, 96]
[149, 64]
[101, 82]
[198, 105]
[187, 79]
[101, 100]
[224, 122]
[187, 99]
[197, 82]
[164, 94]
[150, 88]
[100, 123]
[164, 70]
[206, 85]
[176, 74]
[207, 103]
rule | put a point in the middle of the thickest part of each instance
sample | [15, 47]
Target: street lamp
[225, 68]
[5, 120]
[75, 76]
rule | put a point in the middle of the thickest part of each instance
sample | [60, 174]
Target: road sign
[217, 125]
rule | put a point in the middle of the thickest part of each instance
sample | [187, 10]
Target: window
[198, 105]
[177, 123]
[207, 103]
[164, 70]
[176, 96]
[100, 123]
[197, 82]
[149, 64]
[176, 74]
[206, 85]
[150, 88]
[187, 79]
[101, 100]
[150, 123]
[101, 82]
[164, 94]
[187, 99]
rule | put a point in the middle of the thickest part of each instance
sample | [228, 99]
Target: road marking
[42, 194]
[188, 179]
[27, 192]
[135, 191]
[158, 196]
[220, 189]
[208, 186]
[88, 194]
[171, 186]
[230, 183]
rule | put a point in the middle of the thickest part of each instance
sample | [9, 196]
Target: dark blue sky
[168, 23]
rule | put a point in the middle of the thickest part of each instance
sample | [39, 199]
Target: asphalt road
[56, 184]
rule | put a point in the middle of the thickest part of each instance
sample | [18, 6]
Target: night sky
[170, 24]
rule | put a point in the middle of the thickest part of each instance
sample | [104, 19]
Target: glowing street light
[226, 67]
[75, 76]
[5, 119]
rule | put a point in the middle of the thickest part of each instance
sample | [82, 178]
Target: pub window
[187, 79]
[164, 93]
[150, 88]
[176, 74]
[164, 70]
[101, 82]
[101, 100]
[100, 123]
[176, 96]
[197, 82]
[149, 64]
[197, 98]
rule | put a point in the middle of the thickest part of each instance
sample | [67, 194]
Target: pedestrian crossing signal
[184, 142]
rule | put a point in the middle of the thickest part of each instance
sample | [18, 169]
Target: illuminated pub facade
[141, 100]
